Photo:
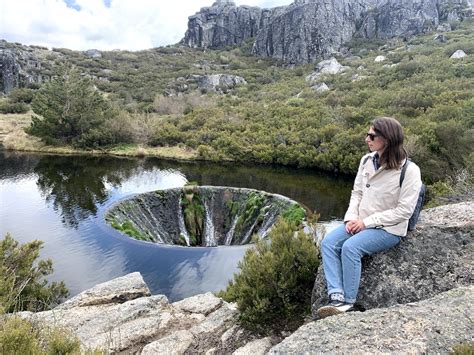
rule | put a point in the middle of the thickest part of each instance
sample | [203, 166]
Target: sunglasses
[372, 136]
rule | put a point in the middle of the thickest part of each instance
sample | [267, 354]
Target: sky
[103, 24]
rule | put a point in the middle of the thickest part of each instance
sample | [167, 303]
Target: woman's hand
[355, 226]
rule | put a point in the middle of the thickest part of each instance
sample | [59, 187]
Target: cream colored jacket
[378, 200]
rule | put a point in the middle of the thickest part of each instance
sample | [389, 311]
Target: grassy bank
[13, 137]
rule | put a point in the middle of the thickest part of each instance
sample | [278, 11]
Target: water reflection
[76, 185]
[211, 272]
[61, 200]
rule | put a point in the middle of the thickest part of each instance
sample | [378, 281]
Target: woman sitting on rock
[377, 216]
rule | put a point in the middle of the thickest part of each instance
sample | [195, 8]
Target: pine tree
[67, 108]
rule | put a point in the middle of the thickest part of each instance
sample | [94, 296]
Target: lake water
[61, 200]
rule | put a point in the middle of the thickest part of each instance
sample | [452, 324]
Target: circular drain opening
[200, 215]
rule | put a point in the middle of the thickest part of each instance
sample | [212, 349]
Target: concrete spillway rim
[112, 205]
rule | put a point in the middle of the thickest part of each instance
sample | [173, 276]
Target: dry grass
[10, 123]
[176, 152]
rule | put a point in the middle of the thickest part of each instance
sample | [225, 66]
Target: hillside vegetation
[277, 118]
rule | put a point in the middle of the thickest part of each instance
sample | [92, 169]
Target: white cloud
[126, 24]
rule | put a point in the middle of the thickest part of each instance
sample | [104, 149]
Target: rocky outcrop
[128, 319]
[93, 53]
[326, 67]
[222, 24]
[433, 326]
[21, 66]
[308, 30]
[10, 71]
[218, 82]
[435, 258]
[122, 289]
[458, 54]
[400, 18]
[389, 18]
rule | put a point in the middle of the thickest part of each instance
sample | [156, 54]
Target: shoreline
[167, 153]
[13, 138]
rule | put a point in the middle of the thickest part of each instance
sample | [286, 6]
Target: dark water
[61, 200]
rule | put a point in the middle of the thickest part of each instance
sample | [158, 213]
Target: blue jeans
[342, 254]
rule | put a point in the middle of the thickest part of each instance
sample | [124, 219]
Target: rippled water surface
[61, 200]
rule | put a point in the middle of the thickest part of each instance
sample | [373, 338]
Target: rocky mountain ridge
[122, 316]
[308, 30]
[303, 32]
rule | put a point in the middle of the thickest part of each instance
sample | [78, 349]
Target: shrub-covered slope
[277, 117]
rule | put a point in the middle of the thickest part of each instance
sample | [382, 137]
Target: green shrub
[13, 107]
[21, 95]
[19, 336]
[463, 349]
[60, 342]
[193, 212]
[129, 228]
[294, 215]
[22, 284]
[273, 288]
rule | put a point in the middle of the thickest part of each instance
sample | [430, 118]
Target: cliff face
[389, 18]
[9, 71]
[222, 24]
[22, 65]
[308, 30]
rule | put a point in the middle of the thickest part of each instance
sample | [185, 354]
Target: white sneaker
[334, 307]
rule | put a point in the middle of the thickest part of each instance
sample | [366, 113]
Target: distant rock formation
[310, 30]
[222, 24]
[458, 54]
[325, 67]
[9, 70]
[400, 18]
[21, 66]
[435, 258]
[218, 82]
[93, 53]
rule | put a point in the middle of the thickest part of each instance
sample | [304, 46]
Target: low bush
[22, 95]
[19, 336]
[22, 283]
[463, 349]
[273, 288]
[13, 107]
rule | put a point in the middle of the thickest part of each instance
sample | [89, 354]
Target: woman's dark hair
[392, 132]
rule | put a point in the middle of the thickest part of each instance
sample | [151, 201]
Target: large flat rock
[430, 326]
[119, 290]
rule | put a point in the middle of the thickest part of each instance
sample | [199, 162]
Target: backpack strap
[404, 170]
